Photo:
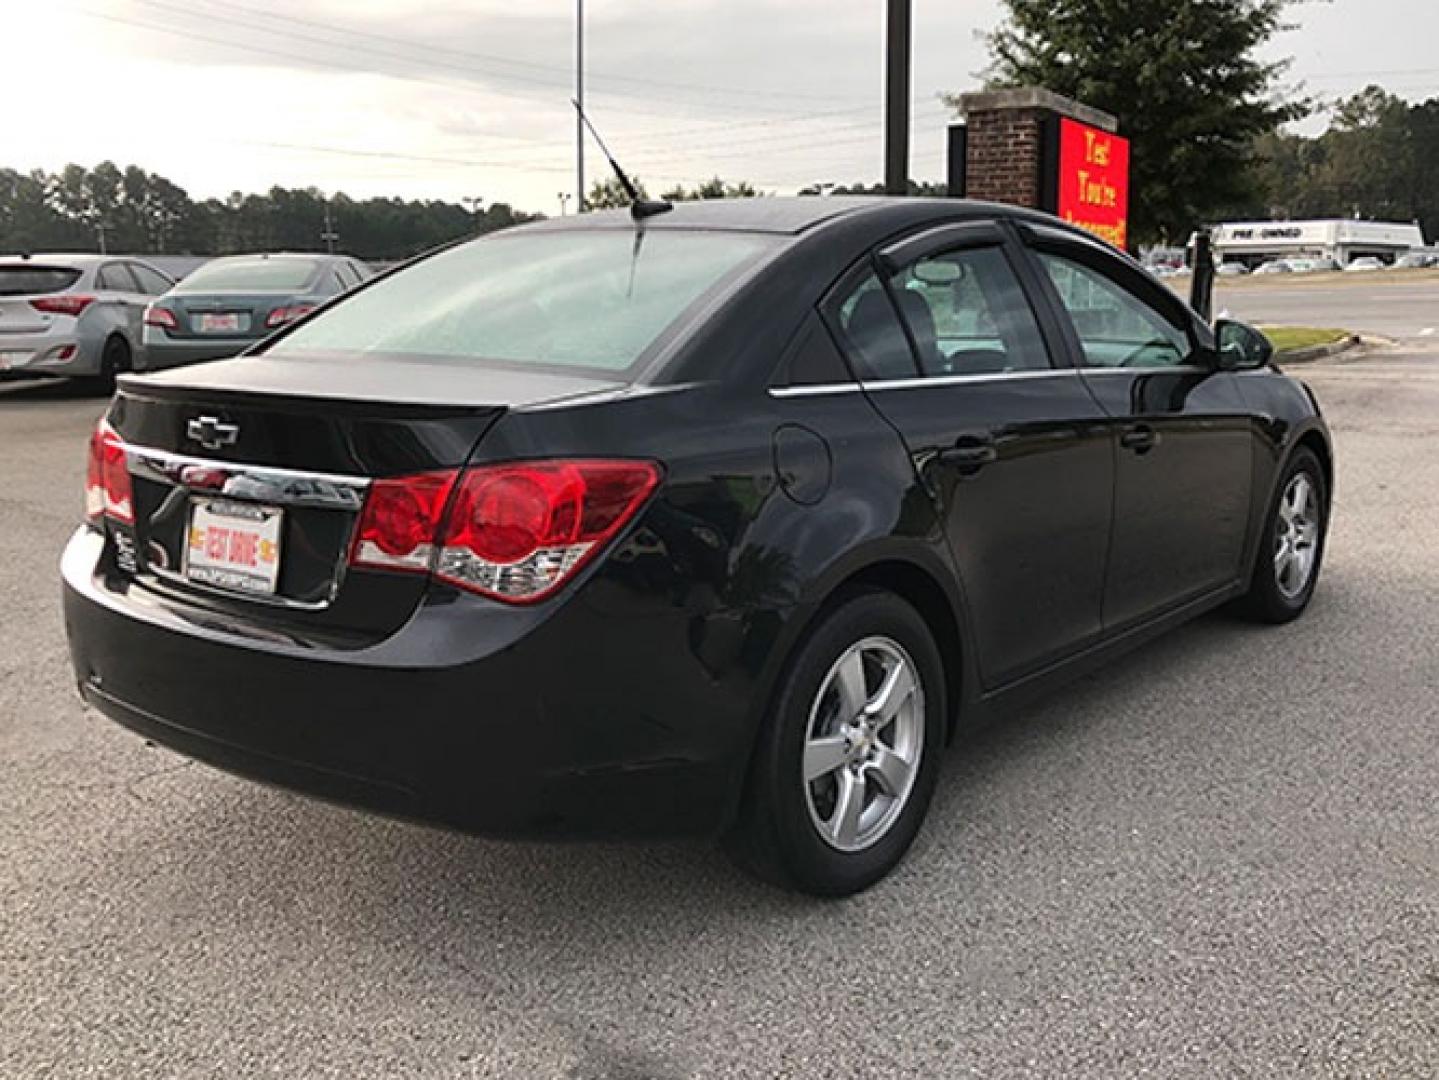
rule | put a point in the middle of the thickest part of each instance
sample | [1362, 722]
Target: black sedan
[721, 522]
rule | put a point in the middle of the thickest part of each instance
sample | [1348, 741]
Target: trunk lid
[228, 316]
[297, 441]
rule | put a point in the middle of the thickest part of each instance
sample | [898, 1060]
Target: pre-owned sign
[1090, 174]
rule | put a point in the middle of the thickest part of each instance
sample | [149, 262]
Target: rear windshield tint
[251, 275]
[36, 280]
[593, 299]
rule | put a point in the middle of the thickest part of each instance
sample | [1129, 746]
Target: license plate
[228, 323]
[10, 360]
[234, 545]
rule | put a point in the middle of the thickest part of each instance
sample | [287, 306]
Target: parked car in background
[228, 304]
[1231, 269]
[1364, 264]
[1326, 266]
[721, 522]
[75, 316]
[1416, 260]
[1278, 266]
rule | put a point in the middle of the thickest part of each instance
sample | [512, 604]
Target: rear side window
[152, 282]
[36, 280]
[968, 314]
[115, 277]
[595, 298]
[252, 275]
[872, 333]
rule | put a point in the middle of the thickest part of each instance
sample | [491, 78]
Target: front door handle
[969, 452]
[1141, 438]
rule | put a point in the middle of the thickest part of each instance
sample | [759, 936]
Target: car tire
[798, 825]
[1286, 568]
[115, 360]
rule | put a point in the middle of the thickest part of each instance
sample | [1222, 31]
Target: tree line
[131, 210]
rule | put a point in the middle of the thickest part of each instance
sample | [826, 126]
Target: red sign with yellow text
[1093, 190]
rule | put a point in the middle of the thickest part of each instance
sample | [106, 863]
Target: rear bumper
[25, 355]
[550, 728]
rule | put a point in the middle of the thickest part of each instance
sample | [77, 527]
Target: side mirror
[1241, 347]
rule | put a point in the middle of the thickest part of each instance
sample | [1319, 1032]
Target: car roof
[72, 260]
[780, 214]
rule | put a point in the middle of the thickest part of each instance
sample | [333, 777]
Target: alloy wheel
[1296, 536]
[863, 744]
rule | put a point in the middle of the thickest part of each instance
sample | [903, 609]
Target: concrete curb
[1320, 352]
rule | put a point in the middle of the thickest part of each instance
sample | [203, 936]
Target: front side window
[1116, 329]
[586, 298]
[968, 314]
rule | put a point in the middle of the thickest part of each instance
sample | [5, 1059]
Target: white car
[73, 315]
[1363, 265]
[1231, 269]
[1278, 266]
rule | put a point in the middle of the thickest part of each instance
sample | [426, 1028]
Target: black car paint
[629, 703]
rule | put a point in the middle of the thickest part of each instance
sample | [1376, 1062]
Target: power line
[493, 58]
[388, 53]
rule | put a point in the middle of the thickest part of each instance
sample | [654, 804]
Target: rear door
[1182, 438]
[122, 295]
[1012, 447]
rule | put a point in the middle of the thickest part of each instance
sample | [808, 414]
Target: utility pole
[896, 97]
[100, 230]
[474, 202]
[580, 101]
[329, 236]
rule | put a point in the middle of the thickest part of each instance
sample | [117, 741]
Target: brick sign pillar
[1000, 153]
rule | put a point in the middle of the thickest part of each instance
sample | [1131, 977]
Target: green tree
[713, 188]
[1183, 78]
[607, 194]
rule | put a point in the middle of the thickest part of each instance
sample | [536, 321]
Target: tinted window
[968, 314]
[1115, 327]
[344, 276]
[584, 298]
[114, 277]
[152, 283]
[36, 280]
[872, 333]
[252, 275]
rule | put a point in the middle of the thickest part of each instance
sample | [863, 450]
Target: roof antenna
[639, 208]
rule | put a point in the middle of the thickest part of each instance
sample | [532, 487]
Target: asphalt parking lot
[1218, 858]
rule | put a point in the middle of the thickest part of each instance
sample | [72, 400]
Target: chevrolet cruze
[720, 522]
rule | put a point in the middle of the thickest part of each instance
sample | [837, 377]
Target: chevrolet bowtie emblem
[212, 433]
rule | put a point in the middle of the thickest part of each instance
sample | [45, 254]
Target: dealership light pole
[579, 106]
[896, 97]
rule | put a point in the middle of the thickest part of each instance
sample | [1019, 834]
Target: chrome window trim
[820, 389]
[261, 483]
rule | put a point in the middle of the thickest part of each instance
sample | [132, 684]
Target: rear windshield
[251, 275]
[33, 280]
[593, 299]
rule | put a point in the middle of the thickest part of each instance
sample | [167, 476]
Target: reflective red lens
[66, 304]
[516, 532]
[282, 315]
[107, 478]
[505, 514]
[162, 317]
[400, 519]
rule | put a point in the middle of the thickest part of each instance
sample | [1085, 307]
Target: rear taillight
[515, 532]
[67, 304]
[282, 315]
[161, 317]
[107, 478]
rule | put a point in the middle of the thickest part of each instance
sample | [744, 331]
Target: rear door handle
[1141, 438]
[969, 452]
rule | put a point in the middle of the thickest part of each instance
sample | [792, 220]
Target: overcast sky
[454, 98]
